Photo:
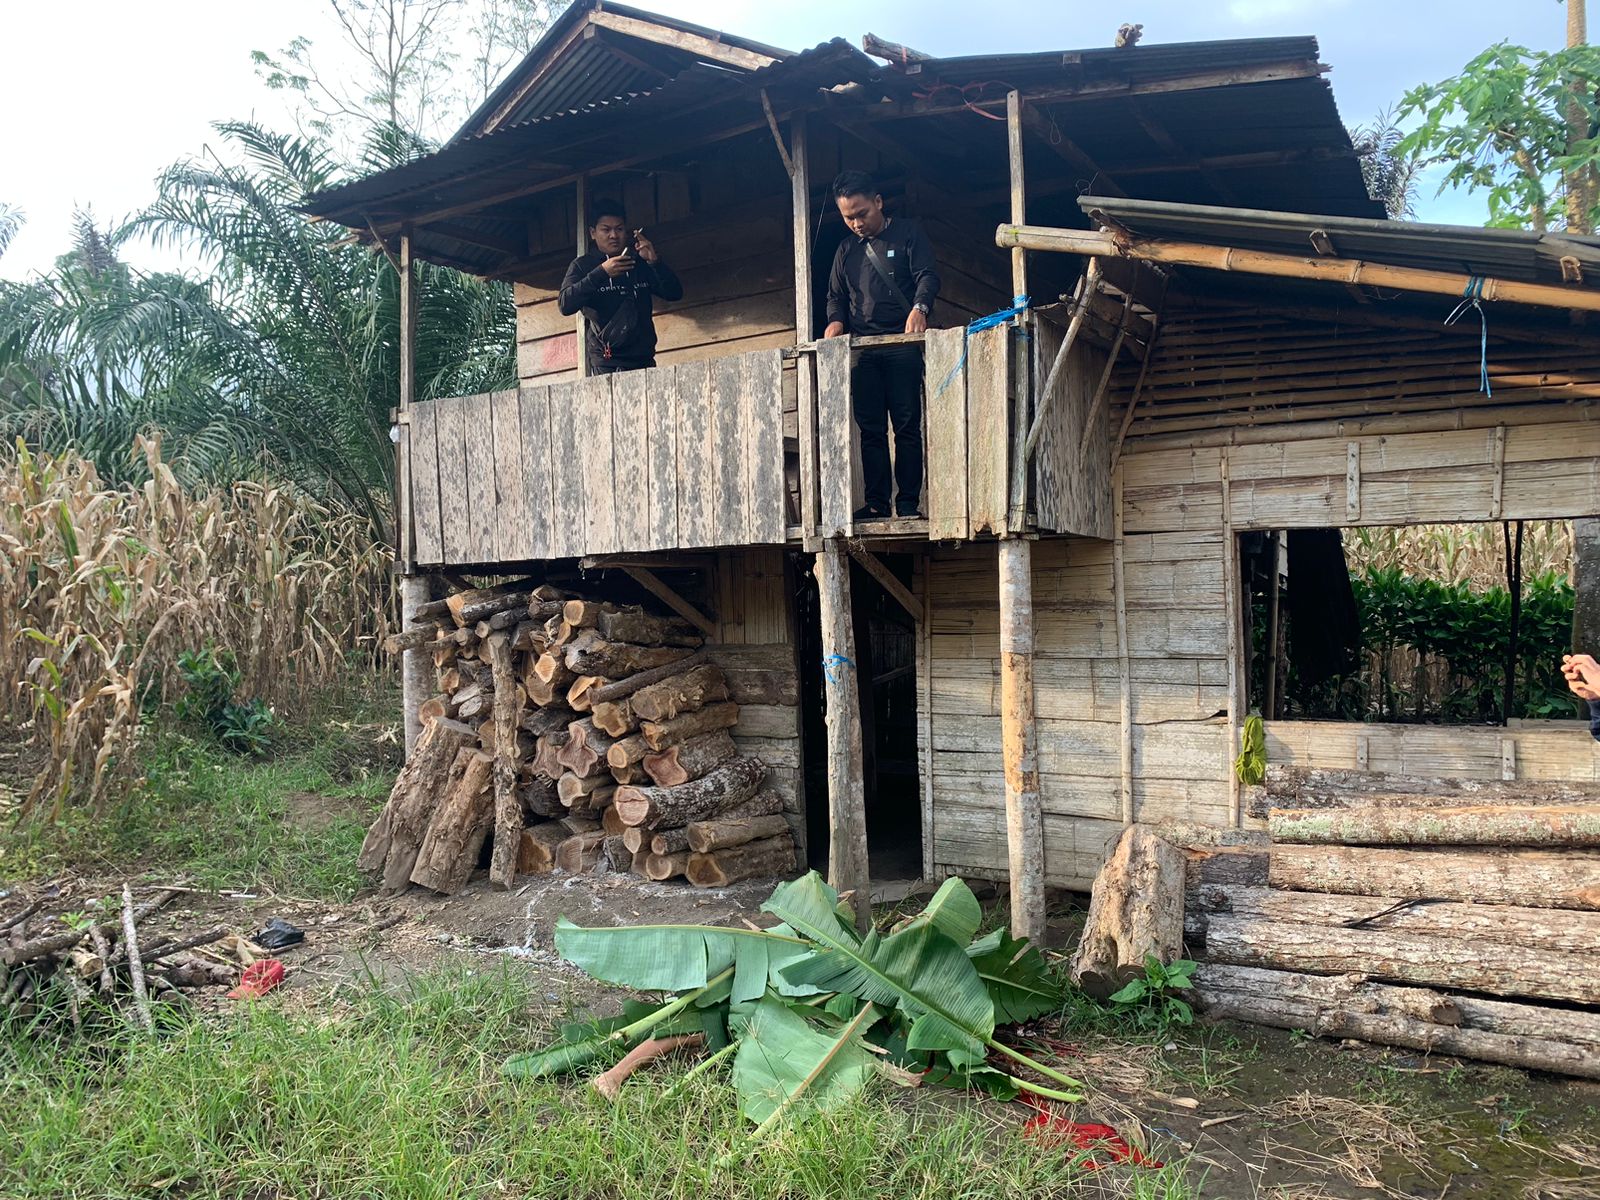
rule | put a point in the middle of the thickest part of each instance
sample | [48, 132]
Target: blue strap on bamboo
[1019, 305]
[1471, 297]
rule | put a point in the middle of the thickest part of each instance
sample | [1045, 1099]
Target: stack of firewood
[581, 735]
[1459, 916]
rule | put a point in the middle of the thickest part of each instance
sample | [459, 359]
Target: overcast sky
[97, 96]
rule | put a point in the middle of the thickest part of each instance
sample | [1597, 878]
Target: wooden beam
[580, 324]
[416, 669]
[1099, 400]
[1017, 482]
[777, 135]
[1159, 135]
[476, 237]
[874, 566]
[651, 582]
[1289, 266]
[900, 57]
[1019, 740]
[1044, 127]
[847, 815]
[697, 44]
[1229, 162]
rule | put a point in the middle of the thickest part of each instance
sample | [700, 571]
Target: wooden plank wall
[1072, 488]
[754, 645]
[677, 457]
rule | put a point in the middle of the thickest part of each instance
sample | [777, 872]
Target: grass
[290, 822]
[398, 1095]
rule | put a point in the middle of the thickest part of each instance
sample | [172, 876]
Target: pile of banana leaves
[809, 1010]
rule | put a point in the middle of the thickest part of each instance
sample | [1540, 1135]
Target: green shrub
[210, 678]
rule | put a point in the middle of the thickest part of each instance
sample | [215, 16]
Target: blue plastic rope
[1471, 295]
[831, 667]
[1019, 305]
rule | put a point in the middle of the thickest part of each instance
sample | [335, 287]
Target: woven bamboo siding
[1072, 471]
[1231, 367]
[675, 457]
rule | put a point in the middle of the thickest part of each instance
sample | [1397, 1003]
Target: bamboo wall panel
[675, 457]
[1072, 474]
[1461, 752]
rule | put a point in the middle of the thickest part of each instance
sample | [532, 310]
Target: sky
[97, 96]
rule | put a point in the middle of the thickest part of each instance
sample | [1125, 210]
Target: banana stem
[650, 1020]
[701, 1067]
[1031, 1065]
[1049, 1093]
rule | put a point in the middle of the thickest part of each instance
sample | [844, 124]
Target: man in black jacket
[883, 281]
[612, 286]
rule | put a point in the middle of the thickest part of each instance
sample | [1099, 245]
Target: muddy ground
[1255, 1112]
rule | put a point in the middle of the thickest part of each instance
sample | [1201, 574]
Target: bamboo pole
[416, 668]
[847, 815]
[1290, 266]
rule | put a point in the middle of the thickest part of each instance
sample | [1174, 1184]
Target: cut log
[1226, 866]
[508, 706]
[637, 626]
[585, 751]
[578, 694]
[612, 823]
[658, 735]
[536, 853]
[582, 614]
[694, 689]
[580, 852]
[573, 788]
[616, 717]
[431, 610]
[595, 803]
[1519, 1035]
[633, 683]
[1310, 787]
[551, 668]
[540, 721]
[627, 752]
[1535, 878]
[432, 709]
[1135, 911]
[1489, 967]
[459, 827]
[545, 694]
[629, 774]
[762, 804]
[1452, 825]
[527, 637]
[591, 654]
[670, 841]
[753, 860]
[729, 784]
[614, 855]
[763, 687]
[577, 823]
[547, 760]
[392, 843]
[641, 863]
[690, 759]
[666, 866]
[539, 796]
[418, 637]
[706, 836]
[1537, 928]
[469, 607]
[637, 837]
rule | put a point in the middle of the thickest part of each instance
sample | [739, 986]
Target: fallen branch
[130, 940]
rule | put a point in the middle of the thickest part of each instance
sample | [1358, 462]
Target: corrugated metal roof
[1513, 254]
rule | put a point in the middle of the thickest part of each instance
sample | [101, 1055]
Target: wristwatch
[921, 308]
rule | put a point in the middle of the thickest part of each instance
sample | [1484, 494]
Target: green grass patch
[291, 821]
[377, 1093]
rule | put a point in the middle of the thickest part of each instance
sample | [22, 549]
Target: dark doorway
[886, 643]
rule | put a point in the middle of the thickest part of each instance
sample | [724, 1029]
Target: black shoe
[911, 513]
[870, 512]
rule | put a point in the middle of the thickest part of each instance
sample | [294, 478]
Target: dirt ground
[1255, 1112]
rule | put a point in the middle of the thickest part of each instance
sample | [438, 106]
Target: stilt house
[1223, 341]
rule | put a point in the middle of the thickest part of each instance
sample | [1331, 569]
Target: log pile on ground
[1416, 913]
[572, 734]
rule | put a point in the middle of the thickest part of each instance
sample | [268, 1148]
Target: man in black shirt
[612, 286]
[883, 281]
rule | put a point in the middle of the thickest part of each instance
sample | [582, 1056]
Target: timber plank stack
[1438, 915]
[572, 734]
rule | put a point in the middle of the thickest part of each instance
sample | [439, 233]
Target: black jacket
[622, 330]
[858, 295]
[1594, 718]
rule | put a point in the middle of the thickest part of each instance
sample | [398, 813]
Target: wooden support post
[800, 195]
[581, 189]
[1019, 256]
[847, 816]
[1017, 514]
[1018, 740]
[1269, 708]
[1119, 587]
[1235, 616]
[653, 584]
[416, 667]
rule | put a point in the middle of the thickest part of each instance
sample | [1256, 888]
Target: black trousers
[885, 387]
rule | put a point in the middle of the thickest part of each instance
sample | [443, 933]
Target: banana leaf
[581, 1042]
[786, 1066]
[676, 958]
[1019, 983]
[954, 911]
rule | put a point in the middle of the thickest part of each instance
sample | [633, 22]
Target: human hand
[619, 264]
[834, 329]
[917, 322]
[645, 248]
[1582, 674]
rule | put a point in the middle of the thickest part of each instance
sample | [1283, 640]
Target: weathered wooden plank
[534, 408]
[946, 375]
[482, 497]
[696, 483]
[761, 384]
[455, 532]
[630, 456]
[513, 519]
[662, 496]
[429, 544]
[988, 406]
[567, 523]
[835, 437]
[730, 522]
[594, 435]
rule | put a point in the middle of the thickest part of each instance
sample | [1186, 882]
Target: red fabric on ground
[258, 979]
[1049, 1129]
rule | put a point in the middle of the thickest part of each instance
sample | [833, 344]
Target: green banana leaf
[557, 1059]
[954, 911]
[1019, 983]
[785, 1066]
[581, 1042]
[677, 958]
[919, 971]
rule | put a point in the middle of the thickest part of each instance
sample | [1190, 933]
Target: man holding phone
[613, 286]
